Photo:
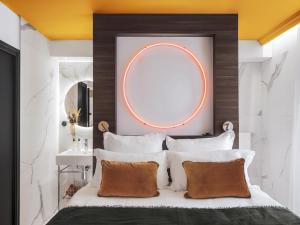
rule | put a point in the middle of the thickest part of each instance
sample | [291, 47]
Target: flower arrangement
[73, 117]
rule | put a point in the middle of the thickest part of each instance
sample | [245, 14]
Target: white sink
[72, 157]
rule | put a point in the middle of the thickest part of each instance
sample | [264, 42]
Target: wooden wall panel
[224, 29]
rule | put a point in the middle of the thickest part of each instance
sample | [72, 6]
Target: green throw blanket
[174, 216]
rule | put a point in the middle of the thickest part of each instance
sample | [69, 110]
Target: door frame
[16, 151]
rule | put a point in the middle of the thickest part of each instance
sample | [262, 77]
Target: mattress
[87, 197]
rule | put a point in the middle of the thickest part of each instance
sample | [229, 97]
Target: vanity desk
[70, 162]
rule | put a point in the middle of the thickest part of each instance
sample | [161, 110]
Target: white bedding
[87, 196]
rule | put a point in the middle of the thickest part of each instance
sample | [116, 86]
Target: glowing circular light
[201, 99]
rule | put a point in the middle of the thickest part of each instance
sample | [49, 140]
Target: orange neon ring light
[201, 99]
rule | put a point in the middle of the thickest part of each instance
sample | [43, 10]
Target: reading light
[201, 99]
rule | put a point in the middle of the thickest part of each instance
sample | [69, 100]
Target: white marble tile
[278, 104]
[39, 133]
[71, 73]
[267, 110]
[250, 112]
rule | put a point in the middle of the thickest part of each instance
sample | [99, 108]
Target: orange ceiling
[72, 19]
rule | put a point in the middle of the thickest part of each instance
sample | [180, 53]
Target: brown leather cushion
[123, 179]
[216, 179]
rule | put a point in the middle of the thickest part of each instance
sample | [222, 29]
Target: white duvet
[87, 196]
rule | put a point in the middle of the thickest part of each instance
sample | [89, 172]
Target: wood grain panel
[224, 29]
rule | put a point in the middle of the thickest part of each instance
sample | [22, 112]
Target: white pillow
[148, 143]
[175, 159]
[221, 142]
[159, 157]
[248, 155]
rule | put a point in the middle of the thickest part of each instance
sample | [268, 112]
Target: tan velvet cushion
[123, 179]
[216, 179]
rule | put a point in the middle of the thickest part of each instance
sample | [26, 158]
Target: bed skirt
[174, 216]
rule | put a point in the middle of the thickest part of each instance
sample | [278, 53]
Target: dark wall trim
[224, 29]
[16, 179]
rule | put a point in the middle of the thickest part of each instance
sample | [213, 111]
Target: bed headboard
[223, 29]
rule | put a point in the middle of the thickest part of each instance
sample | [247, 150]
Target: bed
[171, 205]
[172, 208]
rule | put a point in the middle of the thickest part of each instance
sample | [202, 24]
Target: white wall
[250, 104]
[249, 50]
[71, 48]
[71, 73]
[268, 94]
[169, 81]
[9, 27]
[296, 140]
[39, 129]
[278, 113]
[253, 51]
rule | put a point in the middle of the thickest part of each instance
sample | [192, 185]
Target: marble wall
[39, 133]
[44, 82]
[70, 73]
[279, 77]
[267, 110]
[250, 114]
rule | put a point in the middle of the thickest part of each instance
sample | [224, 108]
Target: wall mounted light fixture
[201, 98]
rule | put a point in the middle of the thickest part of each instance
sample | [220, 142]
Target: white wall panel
[9, 27]
[164, 84]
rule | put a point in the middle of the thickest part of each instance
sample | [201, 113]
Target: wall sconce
[103, 126]
[228, 126]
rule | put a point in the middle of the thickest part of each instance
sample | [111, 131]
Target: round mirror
[79, 99]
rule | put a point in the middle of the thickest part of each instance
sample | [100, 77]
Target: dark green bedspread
[174, 216]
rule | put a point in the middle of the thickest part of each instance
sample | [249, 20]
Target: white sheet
[87, 196]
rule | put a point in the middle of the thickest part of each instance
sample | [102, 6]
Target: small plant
[73, 117]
